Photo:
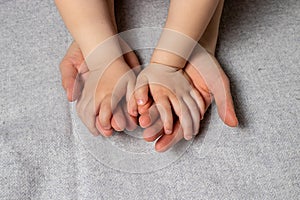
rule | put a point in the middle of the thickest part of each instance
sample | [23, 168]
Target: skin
[85, 21]
[92, 23]
[70, 67]
[193, 26]
[223, 98]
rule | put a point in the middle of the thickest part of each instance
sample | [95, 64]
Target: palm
[210, 87]
[73, 64]
[199, 83]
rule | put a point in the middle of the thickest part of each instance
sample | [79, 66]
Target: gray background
[40, 158]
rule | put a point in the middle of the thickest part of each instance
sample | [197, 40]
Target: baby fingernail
[140, 102]
[168, 131]
[188, 137]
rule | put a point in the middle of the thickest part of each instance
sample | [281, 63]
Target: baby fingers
[105, 113]
[148, 117]
[118, 121]
[165, 110]
[154, 131]
[184, 115]
[141, 90]
[87, 115]
[194, 111]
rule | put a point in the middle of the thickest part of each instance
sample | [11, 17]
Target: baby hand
[212, 83]
[102, 92]
[170, 89]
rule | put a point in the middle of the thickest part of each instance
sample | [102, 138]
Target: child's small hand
[170, 89]
[120, 120]
[211, 81]
[74, 73]
[102, 92]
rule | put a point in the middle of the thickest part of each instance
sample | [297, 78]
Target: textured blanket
[44, 155]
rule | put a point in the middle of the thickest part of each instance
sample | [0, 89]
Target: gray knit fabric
[42, 158]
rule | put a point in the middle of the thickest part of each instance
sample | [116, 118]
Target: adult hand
[74, 73]
[209, 86]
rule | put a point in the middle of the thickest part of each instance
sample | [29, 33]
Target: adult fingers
[217, 83]
[87, 115]
[149, 117]
[68, 75]
[224, 102]
[165, 142]
[154, 131]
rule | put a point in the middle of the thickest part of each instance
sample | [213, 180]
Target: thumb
[68, 76]
[224, 102]
[217, 83]
[71, 80]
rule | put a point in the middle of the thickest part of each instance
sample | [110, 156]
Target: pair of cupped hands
[168, 102]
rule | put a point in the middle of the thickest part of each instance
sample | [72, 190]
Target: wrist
[173, 49]
[168, 59]
[104, 54]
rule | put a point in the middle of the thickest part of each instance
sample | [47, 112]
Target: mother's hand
[73, 74]
[73, 64]
[206, 84]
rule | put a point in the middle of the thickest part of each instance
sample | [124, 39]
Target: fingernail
[168, 131]
[140, 102]
[188, 137]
